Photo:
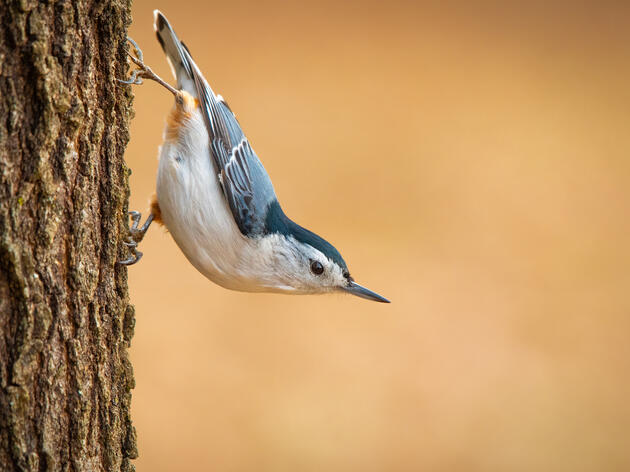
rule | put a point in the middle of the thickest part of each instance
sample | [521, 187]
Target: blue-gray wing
[246, 185]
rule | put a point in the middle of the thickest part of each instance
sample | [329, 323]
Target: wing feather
[245, 183]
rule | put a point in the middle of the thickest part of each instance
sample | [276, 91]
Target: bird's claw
[135, 217]
[143, 71]
[133, 258]
[133, 80]
[138, 59]
[134, 255]
[136, 234]
[136, 48]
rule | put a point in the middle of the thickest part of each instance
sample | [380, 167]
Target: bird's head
[304, 262]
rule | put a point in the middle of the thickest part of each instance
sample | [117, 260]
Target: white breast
[194, 208]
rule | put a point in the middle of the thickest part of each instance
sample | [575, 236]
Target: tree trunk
[65, 318]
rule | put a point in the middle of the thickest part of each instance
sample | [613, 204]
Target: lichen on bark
[65, 318]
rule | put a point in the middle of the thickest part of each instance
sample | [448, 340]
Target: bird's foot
[135, 255]
[143, 71]
[136, 234]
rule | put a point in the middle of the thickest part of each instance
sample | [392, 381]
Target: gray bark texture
[65, 318]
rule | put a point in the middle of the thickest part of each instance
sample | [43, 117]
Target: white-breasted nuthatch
[217, 201]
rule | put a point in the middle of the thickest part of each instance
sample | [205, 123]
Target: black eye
[317, 268]
[346, 274]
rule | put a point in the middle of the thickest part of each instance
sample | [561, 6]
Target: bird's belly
[195, 211]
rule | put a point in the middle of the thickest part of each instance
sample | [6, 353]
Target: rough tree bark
[65, 319]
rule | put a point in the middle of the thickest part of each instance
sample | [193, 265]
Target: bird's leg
[136, 234]
[144, 71]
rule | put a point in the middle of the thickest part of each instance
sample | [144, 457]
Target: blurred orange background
[471, 162]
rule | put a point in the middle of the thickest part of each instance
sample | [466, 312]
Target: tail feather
[176, 53]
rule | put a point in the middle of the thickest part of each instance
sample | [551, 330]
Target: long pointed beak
[356, 289]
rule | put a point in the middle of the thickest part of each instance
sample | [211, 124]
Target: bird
[216, 199]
